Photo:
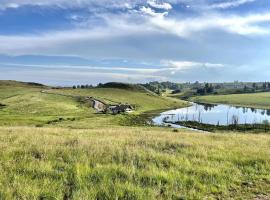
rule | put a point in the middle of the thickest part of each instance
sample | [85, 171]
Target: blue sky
[63, 42]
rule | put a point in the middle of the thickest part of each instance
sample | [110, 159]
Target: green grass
[131, 163]
[142, 100]
[255, 100]
[26, 105]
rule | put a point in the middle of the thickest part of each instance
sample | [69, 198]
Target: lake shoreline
[215, 117]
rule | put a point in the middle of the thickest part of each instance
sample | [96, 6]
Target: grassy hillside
[10, 89]
[142, 100]
[255, 100]
[25, 104]
[131, 163]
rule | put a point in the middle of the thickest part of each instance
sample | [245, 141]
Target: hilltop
[126, 86]
[19, 84]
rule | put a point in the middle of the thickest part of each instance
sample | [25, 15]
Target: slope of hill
[26, 104]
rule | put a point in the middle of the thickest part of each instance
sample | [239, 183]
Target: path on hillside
[79, 97]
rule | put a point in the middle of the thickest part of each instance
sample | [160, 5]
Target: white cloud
[230, 4]
[73, 75]
[187, 65]
[130, 4]
[130, 24]
[119, 26]
[164, 69]
[151, 12]
[243, 25]
[12, 5]
[137, 70]
[61, 3]
[163, 5]
[159, 21]
[102, 3]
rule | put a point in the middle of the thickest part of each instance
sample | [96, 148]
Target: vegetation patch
[256, 128]
[61, 119]
[2, 105]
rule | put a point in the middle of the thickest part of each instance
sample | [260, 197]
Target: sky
[63, 42]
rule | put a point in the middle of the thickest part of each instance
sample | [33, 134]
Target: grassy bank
[255, 100]
[131, 163]
[249, 128]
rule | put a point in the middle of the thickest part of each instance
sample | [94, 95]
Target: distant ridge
[125, 86]
[20, 83]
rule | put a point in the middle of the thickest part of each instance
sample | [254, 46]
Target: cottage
[122, 108]
[102, 107]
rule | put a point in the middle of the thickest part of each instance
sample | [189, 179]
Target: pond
[213, 114]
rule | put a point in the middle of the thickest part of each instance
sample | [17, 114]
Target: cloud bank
[203, 38]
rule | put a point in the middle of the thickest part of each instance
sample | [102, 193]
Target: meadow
[132, 163]
[56, 147]
[254, 100]
[42, 106]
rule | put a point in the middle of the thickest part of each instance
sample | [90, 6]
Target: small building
[99, 106]
[102, 107]
[121, 108]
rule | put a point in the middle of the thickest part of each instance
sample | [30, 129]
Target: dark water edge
[256, 128]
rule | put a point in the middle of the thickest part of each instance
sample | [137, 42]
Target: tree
[158, 90]
[264, 86]
[176, 91]
[209, 88]
[100, 85]
[74, 87]
[201, 91]
[245, 88]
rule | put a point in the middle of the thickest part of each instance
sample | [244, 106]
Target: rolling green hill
[32, 104]
[255, 100]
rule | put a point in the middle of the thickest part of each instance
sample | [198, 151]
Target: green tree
[264, 86]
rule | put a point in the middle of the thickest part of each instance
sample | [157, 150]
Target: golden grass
[131, 163]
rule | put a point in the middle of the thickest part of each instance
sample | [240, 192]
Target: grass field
[255, 100]
[54, 147]
[132, 163]
[27, 105]
[142, 100]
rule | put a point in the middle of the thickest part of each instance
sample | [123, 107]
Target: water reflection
[215, 114]
[207, 107]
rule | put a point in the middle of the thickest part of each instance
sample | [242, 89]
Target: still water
[214, 114]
